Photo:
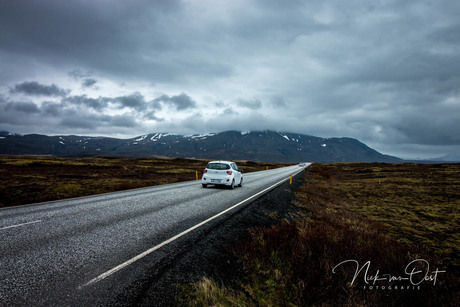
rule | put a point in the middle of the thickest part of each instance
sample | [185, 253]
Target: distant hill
[267, 146]
[452, 157]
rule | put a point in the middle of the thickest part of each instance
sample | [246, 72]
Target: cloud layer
[384, 72]
[36, 89]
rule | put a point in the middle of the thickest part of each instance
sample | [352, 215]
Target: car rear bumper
[227, 180]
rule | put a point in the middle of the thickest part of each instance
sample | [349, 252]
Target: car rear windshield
[220, 166]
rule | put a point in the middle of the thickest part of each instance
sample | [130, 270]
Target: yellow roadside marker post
[196, 175]
[290, 181]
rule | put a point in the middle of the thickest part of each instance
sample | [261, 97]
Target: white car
[222, 173]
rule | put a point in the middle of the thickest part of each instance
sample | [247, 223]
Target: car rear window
[220, 166]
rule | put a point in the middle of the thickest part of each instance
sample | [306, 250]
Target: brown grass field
[388, 214]
[34, 179]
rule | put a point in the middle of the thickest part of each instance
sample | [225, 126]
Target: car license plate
[215, 180]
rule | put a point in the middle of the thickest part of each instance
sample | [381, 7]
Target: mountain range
[269, 146]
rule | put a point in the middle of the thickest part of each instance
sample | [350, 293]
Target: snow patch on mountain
[157, 136]
[284, 136]
[141, 138]
[199, 136]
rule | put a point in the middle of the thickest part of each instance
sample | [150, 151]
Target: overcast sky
[384, 72]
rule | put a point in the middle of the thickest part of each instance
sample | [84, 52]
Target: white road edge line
[151, 250]
[19, 225]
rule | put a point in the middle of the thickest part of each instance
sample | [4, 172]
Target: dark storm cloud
[78, 112]
[448, 34]
[23, 107]
[410, 68]
[428, 125]
[139, 38]
[36, 89]
[180, 102]
[88, 82]
[134, 101]
[98, 104]
[17, 113]
[51, 108]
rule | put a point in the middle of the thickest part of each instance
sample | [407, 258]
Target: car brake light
[229, 172]
[205, 171]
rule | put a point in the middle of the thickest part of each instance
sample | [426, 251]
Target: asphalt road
[89, 250]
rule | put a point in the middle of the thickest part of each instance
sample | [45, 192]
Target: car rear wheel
[204, 185]
[232, 186]
[241, 182]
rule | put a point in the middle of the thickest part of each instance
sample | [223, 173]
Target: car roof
[226, 162]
